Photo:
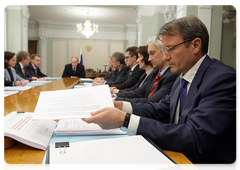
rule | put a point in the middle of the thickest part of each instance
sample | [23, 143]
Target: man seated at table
[33, 67]
[118, 64]
[113, 71]
[74, 69]
[198, 118]
[23, 59]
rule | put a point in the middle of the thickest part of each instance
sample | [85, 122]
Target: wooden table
[26, 101]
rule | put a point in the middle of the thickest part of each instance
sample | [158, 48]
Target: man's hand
[115, 91]
[19, 83]
[118, 104]
[34, 78]
[112, 88]
[41, 79]
[1, 68]
[107, 118]
[98, 82]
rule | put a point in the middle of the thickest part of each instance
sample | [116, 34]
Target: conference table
[26, 101]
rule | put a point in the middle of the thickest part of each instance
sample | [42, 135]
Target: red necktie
[155, 84]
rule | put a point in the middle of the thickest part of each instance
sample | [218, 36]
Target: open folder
[124, 150]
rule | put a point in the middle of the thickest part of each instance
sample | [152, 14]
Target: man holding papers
[198, 118]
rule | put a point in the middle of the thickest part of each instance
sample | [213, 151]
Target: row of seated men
[146, 77]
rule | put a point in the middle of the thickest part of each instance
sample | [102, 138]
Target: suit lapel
[194, 88]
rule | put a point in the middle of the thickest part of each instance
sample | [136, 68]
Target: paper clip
[64, 150]
[62, 146]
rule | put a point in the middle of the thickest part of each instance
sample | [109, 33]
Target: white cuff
[133, 125]
[127, 107]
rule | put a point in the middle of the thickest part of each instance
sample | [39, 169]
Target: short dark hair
[22, 55]
[188, 27]
[34, 55]
[7, 56]
[143, 50]
[132, 51]
[118, 56]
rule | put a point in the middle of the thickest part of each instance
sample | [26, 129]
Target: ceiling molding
[75, 35]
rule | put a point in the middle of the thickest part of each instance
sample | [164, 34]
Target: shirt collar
[192, 72]
[21, 65]
[34, 66]
[133, 67]
[163, 71]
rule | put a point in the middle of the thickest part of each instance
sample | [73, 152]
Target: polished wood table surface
[26, 101]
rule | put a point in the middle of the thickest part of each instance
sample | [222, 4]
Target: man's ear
[197, 45]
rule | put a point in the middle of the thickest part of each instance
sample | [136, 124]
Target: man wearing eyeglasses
[198, 118]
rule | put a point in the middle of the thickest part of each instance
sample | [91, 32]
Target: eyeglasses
[126, 57]
[167, 50]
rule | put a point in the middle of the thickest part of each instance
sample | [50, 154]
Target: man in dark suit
[134, 73]
[198, 118]
[118, 64]
[146, 93]
[74, 69]
[33, 67]
[113, 71]
[23, 59]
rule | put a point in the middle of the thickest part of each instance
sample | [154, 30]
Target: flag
[80, 55]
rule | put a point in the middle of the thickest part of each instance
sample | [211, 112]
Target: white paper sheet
[79, 127]
[73, 103]
[16, 88]
[124, 150]
[8, 93]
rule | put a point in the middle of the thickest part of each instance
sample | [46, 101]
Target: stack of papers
[79, 127]
[21, 127]
[124, 150]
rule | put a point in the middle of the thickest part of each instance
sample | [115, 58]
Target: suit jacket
[120, 78]
[31, 70]
[163, 88]
[131, 79]
[206, 132]
[68, 71]
[18, 69]
[3, 82]
[142, 78]
[16, 77]
[112, 75]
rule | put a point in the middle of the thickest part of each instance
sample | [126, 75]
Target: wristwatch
[126, 121]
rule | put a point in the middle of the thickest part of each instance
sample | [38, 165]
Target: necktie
[130, 73]
[10, 74]
[23, 71]
[155, 84]
[183, 94]
[74, 70]
[35, 71]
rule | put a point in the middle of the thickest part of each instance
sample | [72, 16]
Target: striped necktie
[155, 84]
